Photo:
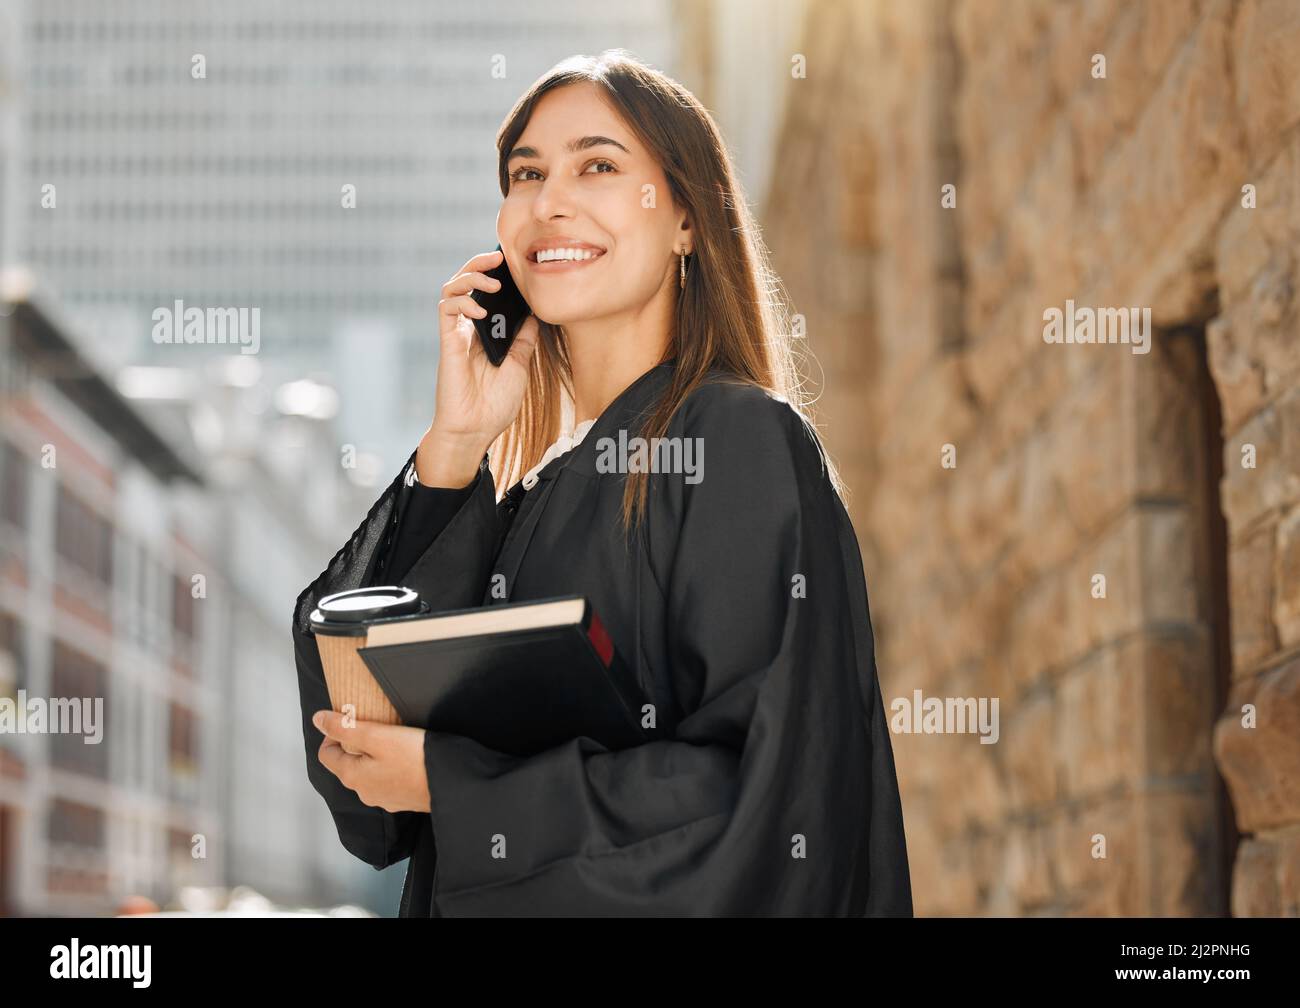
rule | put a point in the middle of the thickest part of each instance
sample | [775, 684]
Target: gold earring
[681, 276]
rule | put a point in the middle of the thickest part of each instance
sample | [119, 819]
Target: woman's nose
[554, 199]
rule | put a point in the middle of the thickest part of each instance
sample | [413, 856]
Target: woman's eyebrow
[572, 147]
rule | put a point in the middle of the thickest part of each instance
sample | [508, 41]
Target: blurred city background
[930, 177]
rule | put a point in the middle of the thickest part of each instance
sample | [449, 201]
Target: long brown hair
[732, 314]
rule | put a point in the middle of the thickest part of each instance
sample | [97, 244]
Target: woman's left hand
[383, 763]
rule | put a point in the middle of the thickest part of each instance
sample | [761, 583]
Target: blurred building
[11, 74]
[154, 577]
[155, 153]
[96, 603]
[328, 163]
[946, 174]
[280, 504]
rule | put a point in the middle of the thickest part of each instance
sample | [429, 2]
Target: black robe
[769, 786]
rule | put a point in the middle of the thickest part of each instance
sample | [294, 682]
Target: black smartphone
[506, 312]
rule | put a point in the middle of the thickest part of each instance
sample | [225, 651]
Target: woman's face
[608, 197]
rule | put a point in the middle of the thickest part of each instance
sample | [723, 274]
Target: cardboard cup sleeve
[339, 624]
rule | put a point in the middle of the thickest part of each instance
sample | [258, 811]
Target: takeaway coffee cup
[341, 623]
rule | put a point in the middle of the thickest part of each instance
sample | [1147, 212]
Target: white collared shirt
[562, 444]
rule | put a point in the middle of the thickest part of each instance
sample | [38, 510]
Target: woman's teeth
[561, 254]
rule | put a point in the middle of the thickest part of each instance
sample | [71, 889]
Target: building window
[183, 619]
[13, 486]
[76, 848]
[182, 743]
[183, 754]
[12, 663]
[78, 681]
[83, 537]
[77, 825]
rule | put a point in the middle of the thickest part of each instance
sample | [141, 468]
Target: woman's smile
[565, 262]
[562, 255]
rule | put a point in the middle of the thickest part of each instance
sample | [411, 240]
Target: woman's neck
[607, 357]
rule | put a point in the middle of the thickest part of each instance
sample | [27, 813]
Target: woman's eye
[519, 174]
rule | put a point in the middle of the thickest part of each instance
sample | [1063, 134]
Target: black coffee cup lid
[349, 612]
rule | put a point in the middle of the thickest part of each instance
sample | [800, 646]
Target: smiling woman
[767, 785]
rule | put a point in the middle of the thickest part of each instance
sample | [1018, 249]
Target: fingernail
[317, 718]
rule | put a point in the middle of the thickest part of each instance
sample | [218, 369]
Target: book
[519, 678]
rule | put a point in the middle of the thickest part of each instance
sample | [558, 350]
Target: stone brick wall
[1149, 752]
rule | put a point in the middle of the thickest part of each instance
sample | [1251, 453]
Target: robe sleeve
[448, 567]
[425, 512]
[774, 791]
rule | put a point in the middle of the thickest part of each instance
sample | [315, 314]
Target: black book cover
[516, 691]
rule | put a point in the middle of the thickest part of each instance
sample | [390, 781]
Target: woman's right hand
[476, 400]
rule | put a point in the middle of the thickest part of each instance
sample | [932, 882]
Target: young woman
[735, 590]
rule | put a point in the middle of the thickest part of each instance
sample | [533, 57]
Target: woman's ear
[685, 237]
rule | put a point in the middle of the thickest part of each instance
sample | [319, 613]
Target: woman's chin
[561, 316]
